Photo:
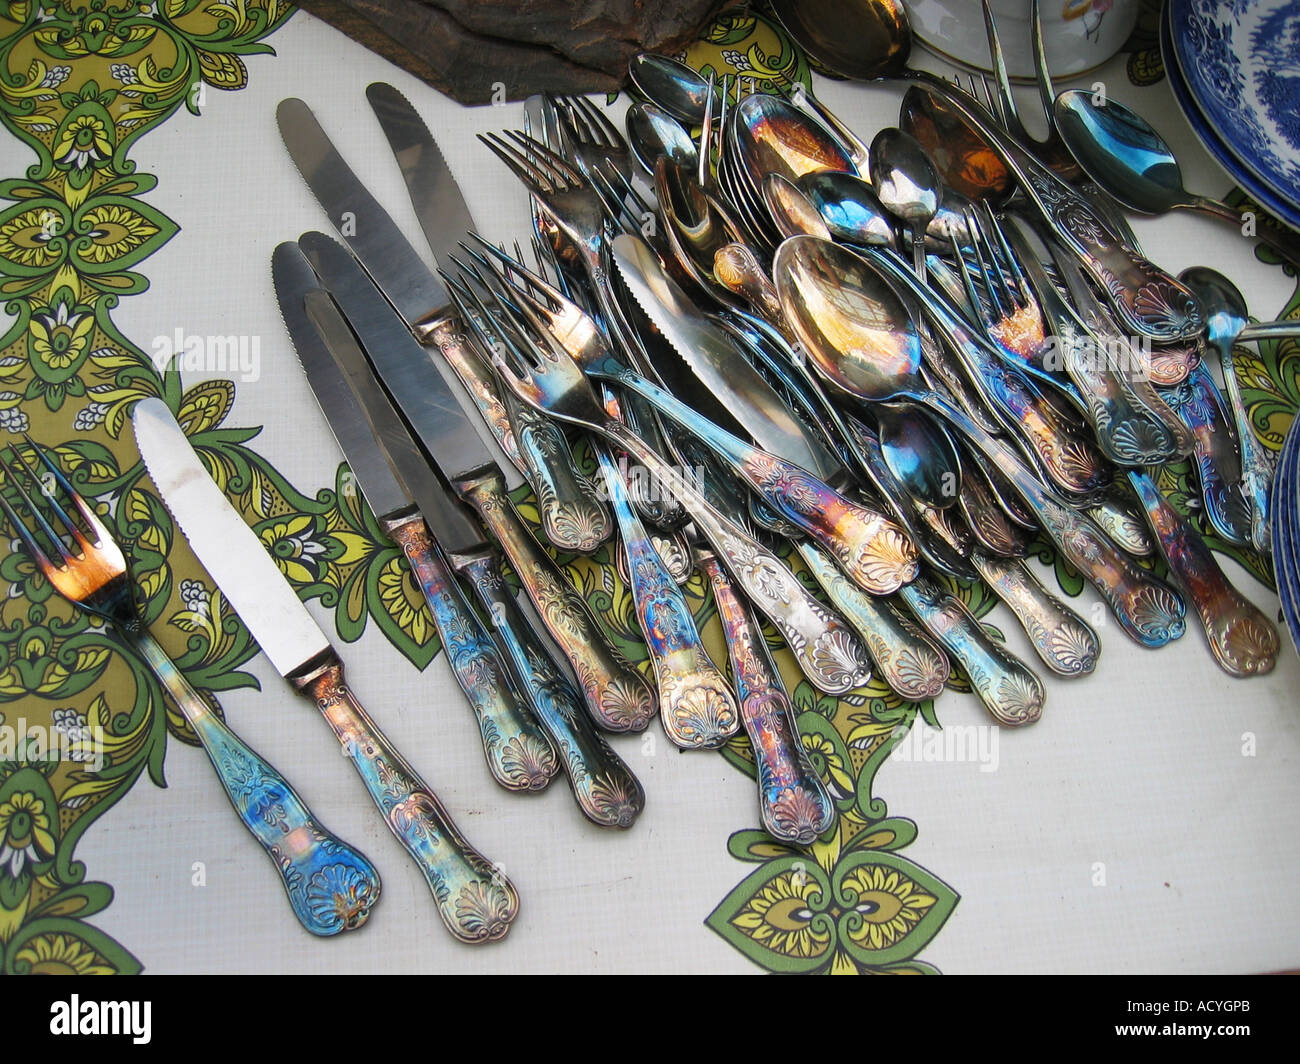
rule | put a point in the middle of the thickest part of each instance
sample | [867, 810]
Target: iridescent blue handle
[604, 787]
[696, 706]
[475, 900]
[331, 886]
[519, 755]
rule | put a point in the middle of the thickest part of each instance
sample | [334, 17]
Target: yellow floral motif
[24, 832]
[85, 138]
[404, 601]
[117, 232]
[59, 339]
[61, 955]
[300, 561]
[25, 238]
[780, 916]
[889, 903]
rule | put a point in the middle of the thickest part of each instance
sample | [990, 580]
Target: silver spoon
[907, 184]
[672, 85]
[652, 132]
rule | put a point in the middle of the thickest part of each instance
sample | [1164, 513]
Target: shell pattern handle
[1009, 689]
[331, 886]
[616, 695]
[1199, 406]
[905, 658]
[1062, 639]
[1147, 299]
[828, 651]
[1146, 607]
[874, 551]
[1243, 641]
[696, 706]
[604, 787]
[476, 902]
[519, 755]
[573, 516]
[1256, 461]
[1119, 517]
[793, 801]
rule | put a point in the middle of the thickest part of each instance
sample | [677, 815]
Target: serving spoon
[858, 334]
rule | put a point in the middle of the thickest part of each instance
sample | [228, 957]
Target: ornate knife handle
[1199, 406]
[906, 659]
[1243, 641]
[873, 550]
[617, 696]
[696, 706]
[1009, 689]
[1150, 301]
[794, 803]
[1146, 607]
[475, 900]
[826, 648]
[331, 886]
[1064, 642]
[519, 755]
[604, 787]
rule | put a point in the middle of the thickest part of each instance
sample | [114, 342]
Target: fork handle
[827, 649]
[475, 900]
[519, 755]
[604, 787]
[331, 886]
[617, 696]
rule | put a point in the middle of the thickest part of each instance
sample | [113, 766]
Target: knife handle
[331, 886]
[617, 696]
[1009, 689]
[475, 900]
[519, 755]
[573, 516]
[793, 802]
[604, 787]
[696, 707]
[1243, 641]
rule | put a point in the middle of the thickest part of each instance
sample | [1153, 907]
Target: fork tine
[517, 164]
[613, 138]
[994, 283]
[25, 535]
[102, 537]
[1019, 283]
[518, 267]
[546, 156]
[55, 540]
[972, 297]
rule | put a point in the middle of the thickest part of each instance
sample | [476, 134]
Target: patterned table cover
[1141, 825]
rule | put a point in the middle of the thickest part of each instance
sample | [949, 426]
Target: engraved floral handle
[874, 551]
[1064, 642]
[696, 706]
[905, 658]
[1243, 641]
[604, 787]
[828, 651]
[331, 886]
[1149, 300]
[793, 802]
[1009, 689]
[1199, 406]
[1147, 609]
[519, 755]
[1256, 461]
[617, 696]
[475, 900]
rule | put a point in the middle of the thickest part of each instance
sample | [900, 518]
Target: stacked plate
[1235, 71]
[1285, 508]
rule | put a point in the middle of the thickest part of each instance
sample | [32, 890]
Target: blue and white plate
[1286, 546]
[1262, 193]
[1240, 62]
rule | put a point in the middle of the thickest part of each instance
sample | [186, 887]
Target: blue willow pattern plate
[1240, 60]
[1250, 184]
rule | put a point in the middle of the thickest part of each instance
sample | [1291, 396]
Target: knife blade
[606, 790]
[573, 516]
[391, 472]
[475, 901]
[615, 693]
[714, 361]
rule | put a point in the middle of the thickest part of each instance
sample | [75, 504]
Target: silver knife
[394, 478]
[617, 696]
[476, 902]
[573, 516]
[707, 350]
[606, 790]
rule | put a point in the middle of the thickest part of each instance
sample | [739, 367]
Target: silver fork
[826, 648]
[95, 577]
[593, 141]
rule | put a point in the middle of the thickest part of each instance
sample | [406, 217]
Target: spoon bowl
[849, 208]
[652, 132]
[671, 85]
[858, 39]
[791, 210]
[772, 136]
